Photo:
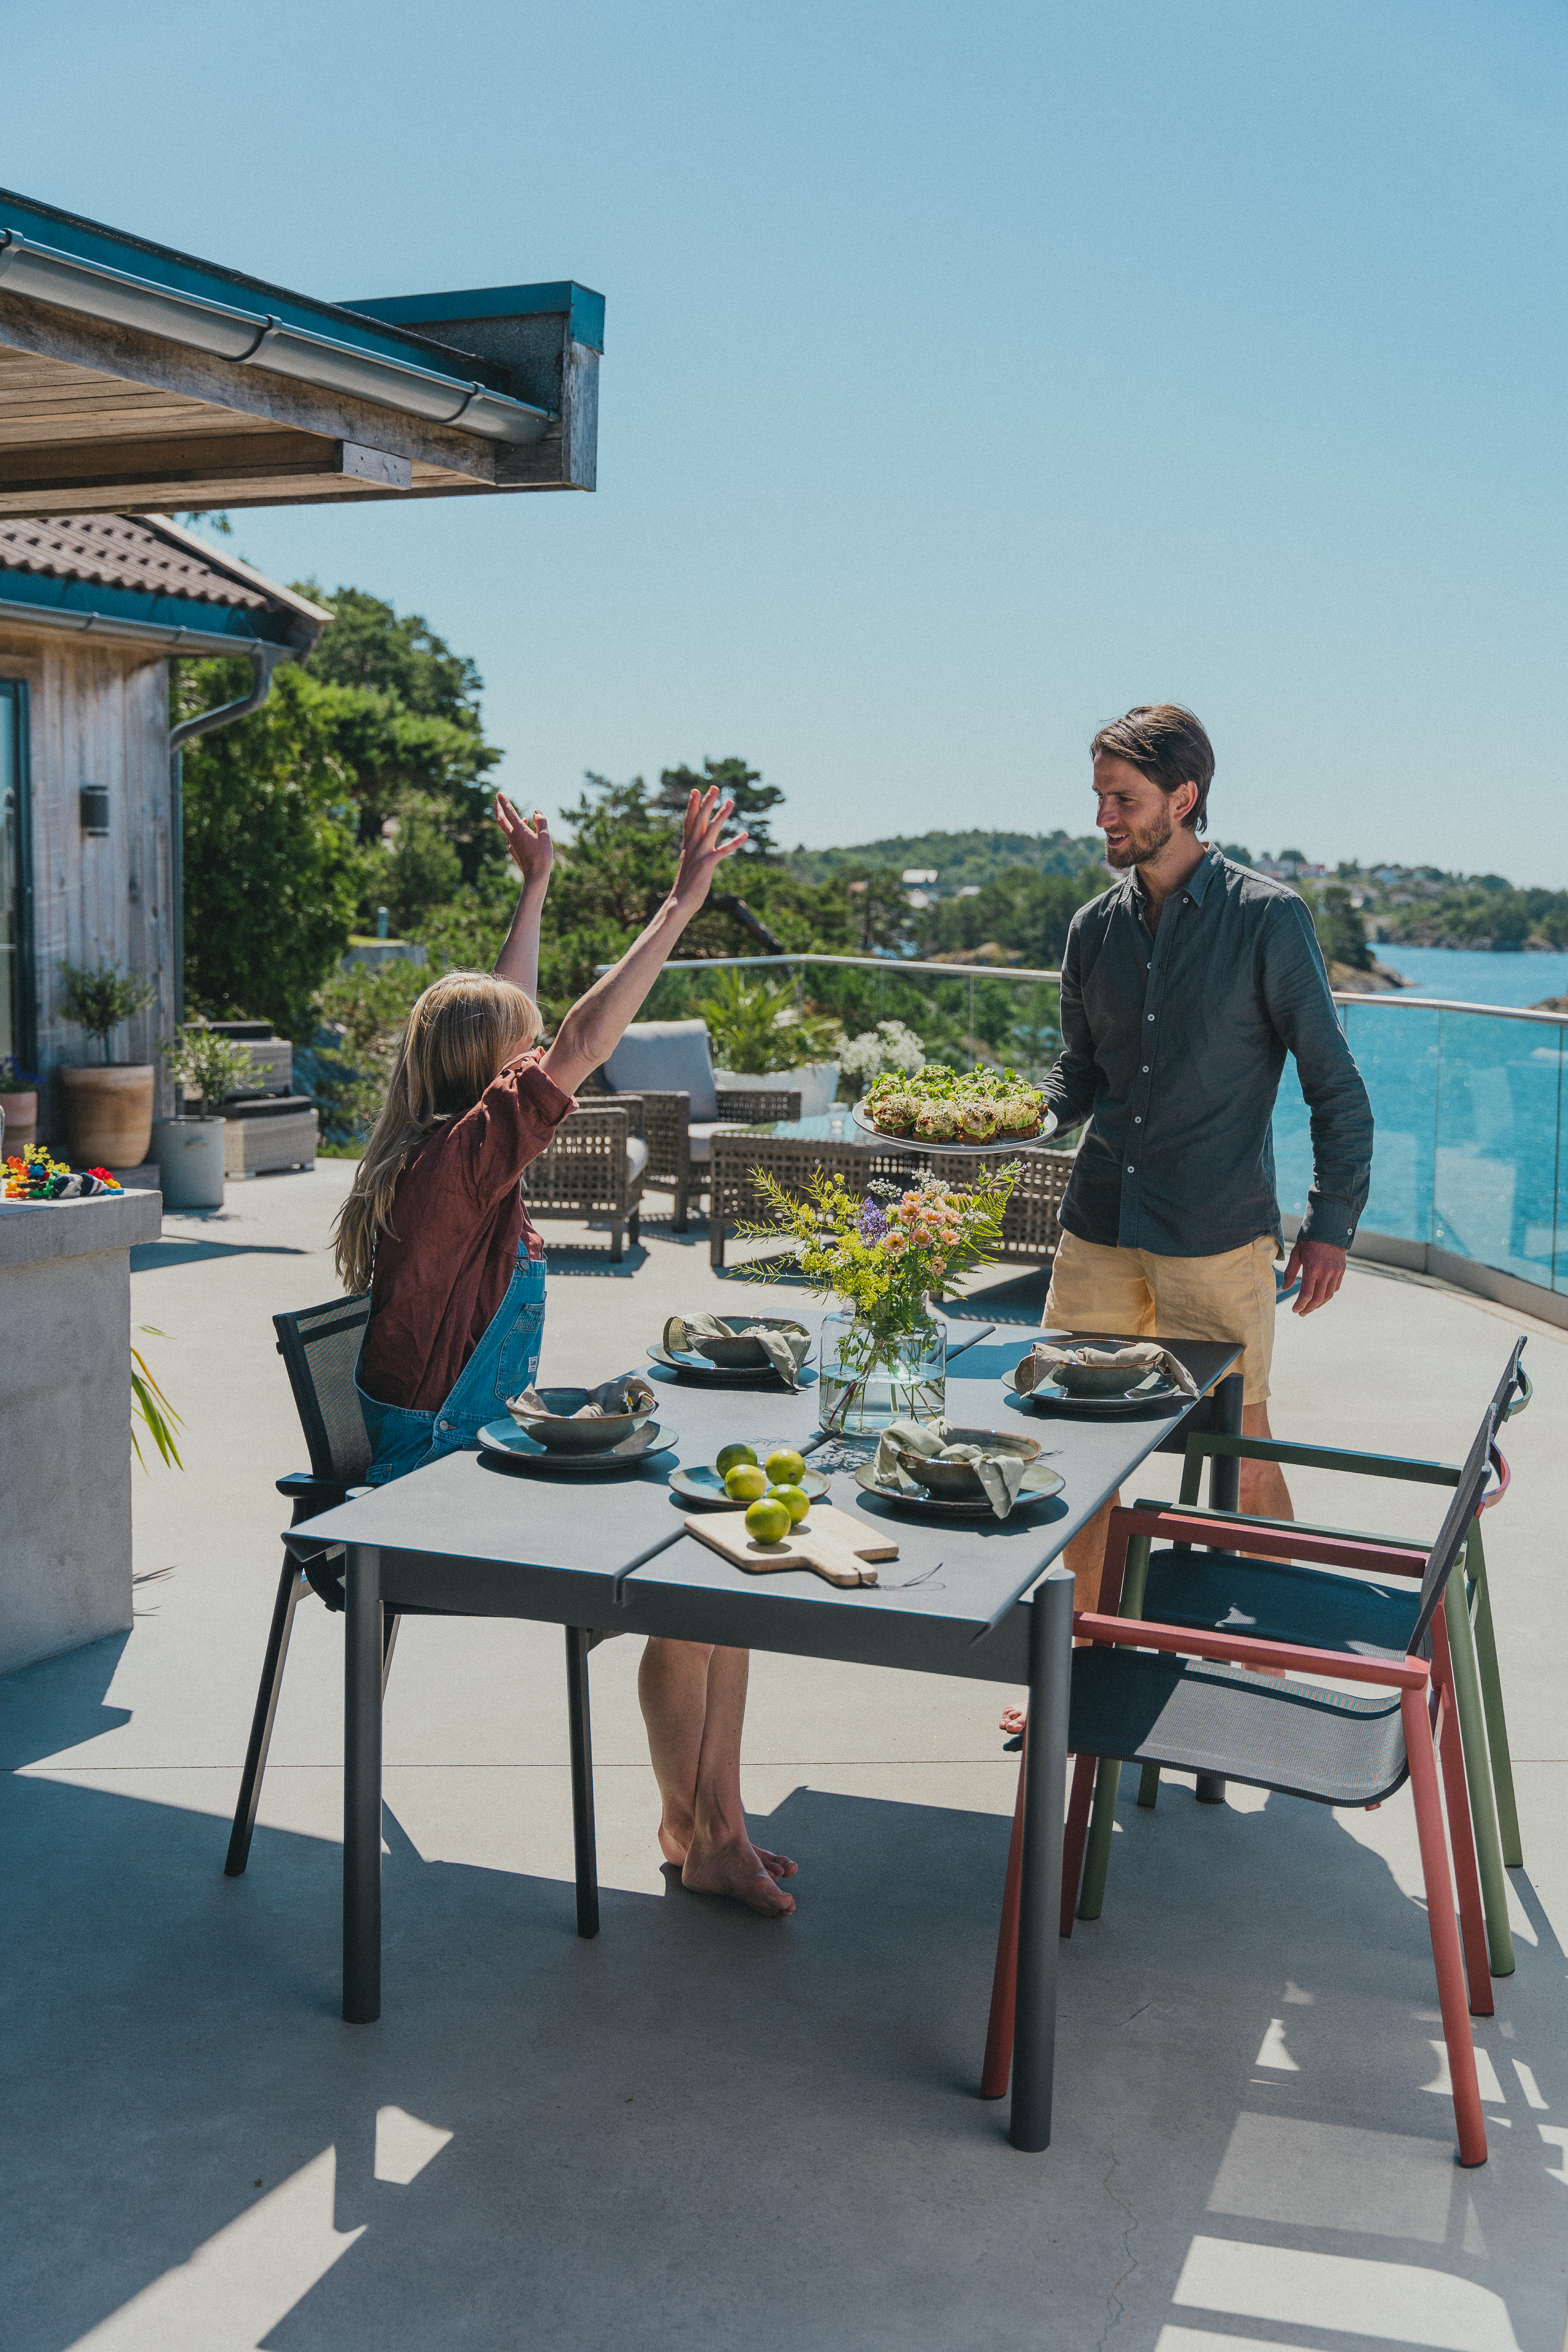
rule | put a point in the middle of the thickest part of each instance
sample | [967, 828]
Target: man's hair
[1167, 744]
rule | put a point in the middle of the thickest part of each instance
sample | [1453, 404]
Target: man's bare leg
[693, 1699]
[1264, 1493]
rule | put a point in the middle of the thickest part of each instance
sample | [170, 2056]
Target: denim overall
[506, 1359]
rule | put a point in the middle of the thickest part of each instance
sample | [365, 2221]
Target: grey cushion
[667, 1057]
[700, 1135]
[636, 1156]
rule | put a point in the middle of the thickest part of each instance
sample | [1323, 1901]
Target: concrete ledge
[31, 1232]
[1463, 1272]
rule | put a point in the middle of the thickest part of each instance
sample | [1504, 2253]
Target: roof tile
[118, 551]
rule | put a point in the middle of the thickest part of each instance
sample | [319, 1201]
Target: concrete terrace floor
[705, 2130]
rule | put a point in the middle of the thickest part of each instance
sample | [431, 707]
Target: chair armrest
[755, 1106]
[1273, 1539]
[1202, 1443]
[1526, 1390]
[1240, 1650]
[1245, 1525]
[309, 1494]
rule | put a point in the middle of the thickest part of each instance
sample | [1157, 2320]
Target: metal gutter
[250, 337]
[169, 636]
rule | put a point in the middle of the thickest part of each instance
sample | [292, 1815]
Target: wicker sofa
[595, 1167]
[1029, 1230]
[668, 1066]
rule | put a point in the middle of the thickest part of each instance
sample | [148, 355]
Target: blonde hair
[459, 1037]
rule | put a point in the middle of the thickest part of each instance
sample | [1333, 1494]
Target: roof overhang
[135, 379]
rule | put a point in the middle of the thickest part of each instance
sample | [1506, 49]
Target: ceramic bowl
[738, 1354]
[1100, 1380]
[561, 1433]
[958, 1482]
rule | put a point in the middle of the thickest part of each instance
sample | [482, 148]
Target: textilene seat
[1221, 1701]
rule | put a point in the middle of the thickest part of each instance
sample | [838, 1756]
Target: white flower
[888, 1046]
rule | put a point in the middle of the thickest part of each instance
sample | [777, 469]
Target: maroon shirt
[444, 1263]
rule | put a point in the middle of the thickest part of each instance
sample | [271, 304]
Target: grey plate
[698, 1367]
[966, 1150]
[1038, 1485]
[706, 1486]
[1158, 1391]
[505, 1437]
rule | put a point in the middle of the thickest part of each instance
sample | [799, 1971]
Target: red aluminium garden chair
[1228, 1703]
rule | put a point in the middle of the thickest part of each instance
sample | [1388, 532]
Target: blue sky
[972, 373]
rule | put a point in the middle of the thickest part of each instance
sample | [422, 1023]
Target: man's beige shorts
[1141, 1294]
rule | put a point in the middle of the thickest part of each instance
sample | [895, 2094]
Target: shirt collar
[1196, 883]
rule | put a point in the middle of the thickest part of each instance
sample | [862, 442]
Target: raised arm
[592, 1030]
[532, 853]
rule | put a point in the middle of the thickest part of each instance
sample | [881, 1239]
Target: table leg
[581, 1743]
[1224, 1494]
[363, 1659]
[1045, 1792]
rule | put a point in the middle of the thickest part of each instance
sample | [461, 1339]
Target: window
[15, 876]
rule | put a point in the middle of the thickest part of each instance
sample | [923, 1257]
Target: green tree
[1342, 934]
[273, 871]
[1022, 909]
[754, 801]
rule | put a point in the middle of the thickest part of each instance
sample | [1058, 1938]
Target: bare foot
[1013, 1720]
[672, 1846]
[675, 1849]
[737, 1870]
[778, 1866]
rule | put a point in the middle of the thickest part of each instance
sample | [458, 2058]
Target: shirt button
[1131, 1169]
[1138, 1119]
[1150, 1016]
[1145, 1070]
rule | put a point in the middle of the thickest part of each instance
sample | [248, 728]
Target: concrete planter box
[65, 1407]
[108, 1113]
[190, 1157]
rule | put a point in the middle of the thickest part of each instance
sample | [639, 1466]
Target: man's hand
[700, 847]
[1322, 1267]
[529, 847]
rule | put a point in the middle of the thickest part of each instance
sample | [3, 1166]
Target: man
[1183, 989]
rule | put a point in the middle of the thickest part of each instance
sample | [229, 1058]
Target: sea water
[1469, 1153]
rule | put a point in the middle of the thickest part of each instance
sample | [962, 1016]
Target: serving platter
[1038, 1484]
[999, 1150]
[504, 1439]
[705, 1486]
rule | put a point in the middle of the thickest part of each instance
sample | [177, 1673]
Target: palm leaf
[152, 1407]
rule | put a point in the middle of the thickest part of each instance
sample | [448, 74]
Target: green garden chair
[1186, 1588]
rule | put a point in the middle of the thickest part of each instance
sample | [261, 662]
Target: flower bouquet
[882, 1253]
[34, 1176]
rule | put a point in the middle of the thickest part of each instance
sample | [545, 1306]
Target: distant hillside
[962, 859]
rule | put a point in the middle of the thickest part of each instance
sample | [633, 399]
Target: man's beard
[1140, 846]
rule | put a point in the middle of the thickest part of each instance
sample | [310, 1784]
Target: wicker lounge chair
[669, 1065]
[1029, 1229]
[595, 1167]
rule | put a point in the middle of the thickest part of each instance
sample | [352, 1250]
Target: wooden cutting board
[829, 1542]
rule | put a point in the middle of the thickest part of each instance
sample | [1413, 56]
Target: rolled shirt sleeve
[512, 1123]
[1069, 1089]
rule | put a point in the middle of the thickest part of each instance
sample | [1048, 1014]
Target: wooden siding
[98, 714]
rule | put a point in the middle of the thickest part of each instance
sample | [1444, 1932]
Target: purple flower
[871, 1224]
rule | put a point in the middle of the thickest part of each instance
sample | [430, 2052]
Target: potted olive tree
[108, 1106]
[189, 1150]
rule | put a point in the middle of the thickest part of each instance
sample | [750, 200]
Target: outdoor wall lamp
[95, 808]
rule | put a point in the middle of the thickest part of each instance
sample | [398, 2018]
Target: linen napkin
[628, 1393]
[1045, 1355]
[786, 1348]
[1001, 1475]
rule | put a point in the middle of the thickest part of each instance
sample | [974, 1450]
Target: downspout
[264, 660]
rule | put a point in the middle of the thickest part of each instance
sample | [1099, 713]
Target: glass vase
[871, 1377]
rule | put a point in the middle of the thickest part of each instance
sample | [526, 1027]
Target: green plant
[202, 1060]
[99, 997]
[756, 1026]
[149, 1406]
[361, 1011]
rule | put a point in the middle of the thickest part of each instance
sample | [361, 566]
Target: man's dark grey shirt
[1172, 1047]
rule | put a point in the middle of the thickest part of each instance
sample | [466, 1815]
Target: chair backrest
[1462, 1509]
[667, 1057]
[319, 1348]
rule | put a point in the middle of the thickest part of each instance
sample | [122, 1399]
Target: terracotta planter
[108, 1114]
[20, 1113]
[190, 1156]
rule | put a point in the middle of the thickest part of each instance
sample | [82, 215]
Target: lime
[784, 1468]
[729, 1454]
[745, 1483]
[768, 1520]
[795, 1500]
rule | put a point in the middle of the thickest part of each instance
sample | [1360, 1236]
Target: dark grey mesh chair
[319, 1348]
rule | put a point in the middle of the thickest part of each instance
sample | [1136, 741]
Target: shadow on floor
[148, 1255]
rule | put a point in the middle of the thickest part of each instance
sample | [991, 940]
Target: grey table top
[577, 1546]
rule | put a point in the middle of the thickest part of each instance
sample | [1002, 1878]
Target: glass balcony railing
[1467, 1099]
[1469, 1152]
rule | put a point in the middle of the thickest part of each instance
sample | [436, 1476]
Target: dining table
[603, 1553]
